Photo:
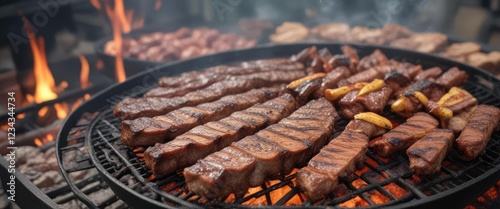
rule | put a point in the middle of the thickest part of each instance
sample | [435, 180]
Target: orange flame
[45, 139]
[96, 4]
[119, 24]
[84, 73]
[157, 4]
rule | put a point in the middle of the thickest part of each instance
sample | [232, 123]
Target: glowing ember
[47, 138]
[84, 73]
[119, 24]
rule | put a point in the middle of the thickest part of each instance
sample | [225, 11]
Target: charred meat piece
[202, 82]
[149, 107]
[353, 56]
[218, 73]
[304, 90]
[336, 160]
[149, 131]
[431, 73]
[473, 139]
[377, 58]
[331, 79]
[200, 141]
[427, 154]
[396, 80]
[271, 152]
[352, 104]
[404, 135]
[452, 77]
[405, 68]
[430, 89]
[457, 100]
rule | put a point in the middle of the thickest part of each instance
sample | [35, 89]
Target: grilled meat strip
[331, 79]
[130, 108]
[473, 139]
[429, 74]
[427, 154]
[218, 74]
[458, 122]
[244, 68]
[404, 135]
[146, 131]
[352, 104]
[452, 77]
[274, 151]
[200, 141]
[377, 58]
[366, 128]
[335, 160]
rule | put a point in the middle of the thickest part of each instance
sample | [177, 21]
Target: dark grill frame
[119, 161]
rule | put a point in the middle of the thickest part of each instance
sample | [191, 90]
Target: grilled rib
[244, 68]
[199, 142]
[269, 153]
[427, 154]
[130, 108]
[336, 160]
[473, 139]
[149, 131]
[404, 135]
[214, 75]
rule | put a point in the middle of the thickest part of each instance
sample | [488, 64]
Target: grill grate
[382, 182]
[373, 186]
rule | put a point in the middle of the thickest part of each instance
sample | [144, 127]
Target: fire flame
[120, 24]
[47, 138]
[84, 73]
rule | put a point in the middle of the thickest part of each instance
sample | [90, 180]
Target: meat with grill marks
[273, 151]
[131, 108]
[476, 134]
[336, 160]
[244, 68]
[149, 131]
[352, 104]
[429, 74]
[331, 80]
[200, 141]
[427, 154]
[404, 135]
[452, 77]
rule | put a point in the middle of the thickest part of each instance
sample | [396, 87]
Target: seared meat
[202, 82]
[431, 73]
[352, 104]
[473, 139]
[458, 50]
[405, 68]
[396, 80]
[335, 160]
[427, 153]
[353, 57]
[149, 131]
[422, 42]
[274, 151]
[331, 31]
[200, 141]
[331, 79]
[404, 135]
[452, 77]
[304, 90]
[430, 89]
[366, 128]
[365, 76]
[131, 108]
[361, 34]
[243, 69]
[377, 58]
[393, 31]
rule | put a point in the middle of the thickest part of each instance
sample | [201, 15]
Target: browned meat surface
[305, 89]
[365, 76]
[351, 104]
[336, 160]
[428, 74]
[452, 77]
[430, 89]
[331, 31]
[200, 141]
[366, 128]
[202, 82]
[458, 122]
[396, 80]
[353, 56]
[361, 34]
[422, 42]
[404, 135]
[473, 139]
[188, 77]
[131, 108]
[483, 60]
[393, 31]
[149, 131]
[427, 154]
[377, 58]
[458, 50]
[331, 79]
[271, 152]
[407, 69]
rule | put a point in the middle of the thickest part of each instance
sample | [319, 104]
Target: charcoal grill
[122, 169]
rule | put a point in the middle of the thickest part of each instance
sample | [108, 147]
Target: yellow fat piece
[454, 96]
[421, 97]
[371, 87]
[399, 104]
[375, 119]
[299, 81]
